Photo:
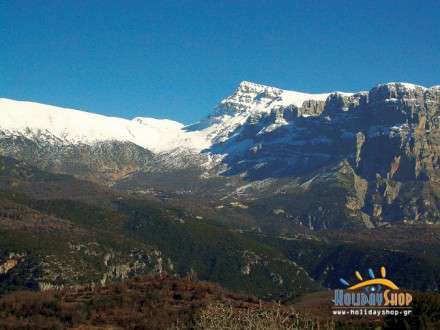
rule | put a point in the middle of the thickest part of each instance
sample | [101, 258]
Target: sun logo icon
[373, 284]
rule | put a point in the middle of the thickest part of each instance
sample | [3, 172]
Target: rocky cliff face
[392, 129]
[388, 136]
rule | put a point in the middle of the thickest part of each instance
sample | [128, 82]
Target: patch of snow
[239, 205]
[279, 211]
[279, 122]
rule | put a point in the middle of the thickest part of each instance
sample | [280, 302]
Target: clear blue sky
[177, 59]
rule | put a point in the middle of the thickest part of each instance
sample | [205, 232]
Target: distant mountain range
[380, 149]
[68, 126]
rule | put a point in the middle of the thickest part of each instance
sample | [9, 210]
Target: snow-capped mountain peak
[252, 100]
[250, 97]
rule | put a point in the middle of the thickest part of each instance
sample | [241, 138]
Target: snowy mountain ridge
[255, 98]
[69, 126]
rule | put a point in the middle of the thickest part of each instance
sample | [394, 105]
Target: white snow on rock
[250, 101]
[253, 97]
[73, 126]
[403, 85]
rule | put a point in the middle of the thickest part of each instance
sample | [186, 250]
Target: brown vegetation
[146, 303]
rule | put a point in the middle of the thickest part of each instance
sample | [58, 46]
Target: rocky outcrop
[8, 265]
[390, 137]
[312, 108]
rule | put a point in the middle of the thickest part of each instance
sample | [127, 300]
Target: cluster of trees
[425, 315]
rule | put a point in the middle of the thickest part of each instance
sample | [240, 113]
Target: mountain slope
[70, 127]
[59, 231]
[261, 146]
